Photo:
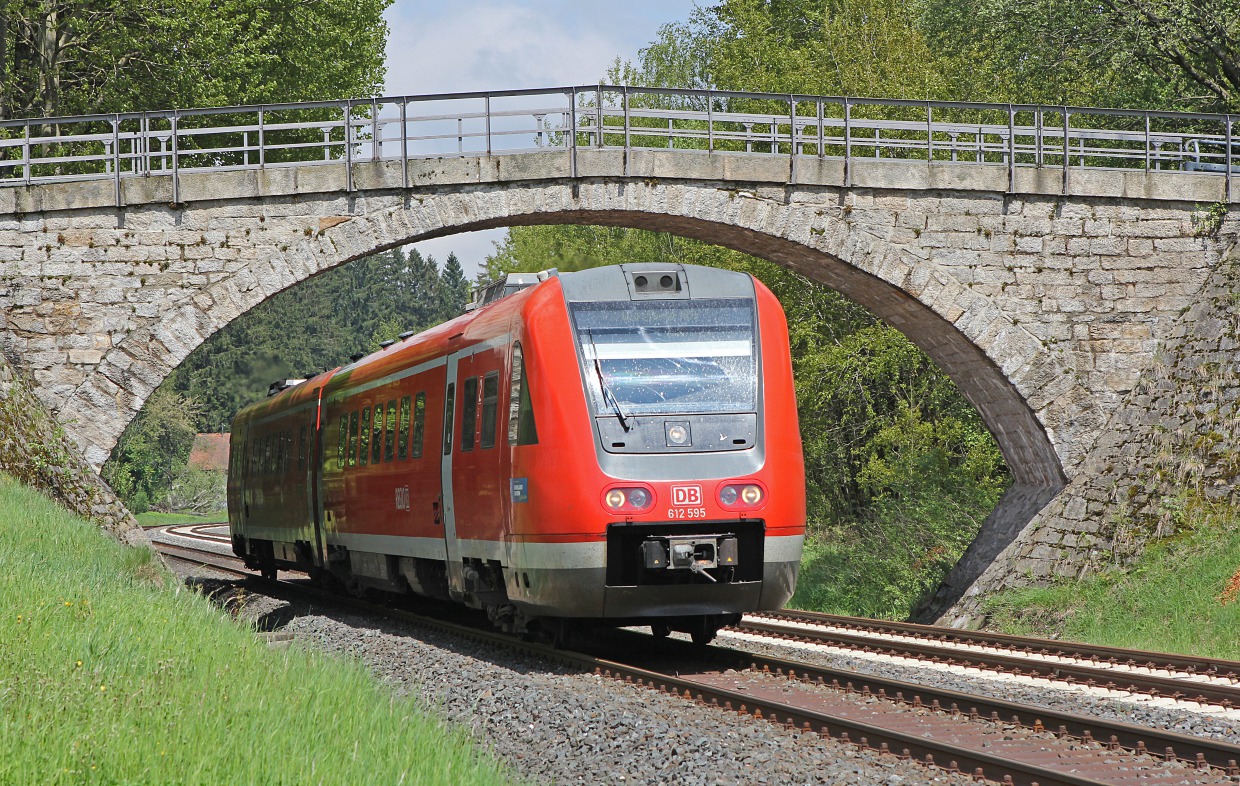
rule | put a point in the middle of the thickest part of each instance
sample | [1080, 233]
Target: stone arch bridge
[1048, 267]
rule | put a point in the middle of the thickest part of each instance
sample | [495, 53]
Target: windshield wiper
[607, 394]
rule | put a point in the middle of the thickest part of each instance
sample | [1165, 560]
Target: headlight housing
[628, 499]
[742, 495]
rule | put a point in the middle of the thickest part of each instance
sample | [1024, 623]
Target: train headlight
[741, 496]
[628, 499]
[677, 433]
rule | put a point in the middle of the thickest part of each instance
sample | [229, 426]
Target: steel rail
[994, 766]
[1191, 664]
[1168, 687]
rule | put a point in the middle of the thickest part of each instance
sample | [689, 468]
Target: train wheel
[660, 630]
[563, 634]
[268, 572]
[703, 632]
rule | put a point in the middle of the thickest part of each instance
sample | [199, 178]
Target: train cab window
[363, 444]
[353, 438]
[376, 436]
[402, 437]
[301, 449]
[490, 401]
[419, 424]
[469, 413]
[344, 440]
[449, 408]
[521, 429]
[389, 436]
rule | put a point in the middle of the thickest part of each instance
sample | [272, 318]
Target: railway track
[1179, 677]
[990, 739]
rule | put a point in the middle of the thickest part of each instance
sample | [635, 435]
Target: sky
[462, 45]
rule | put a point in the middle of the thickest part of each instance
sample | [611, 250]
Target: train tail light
[742, 496]
[628, 499]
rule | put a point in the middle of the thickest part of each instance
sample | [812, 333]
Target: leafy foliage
[153, 450]
[61, 57]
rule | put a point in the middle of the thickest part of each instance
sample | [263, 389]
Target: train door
[312, 456]
[455, 580]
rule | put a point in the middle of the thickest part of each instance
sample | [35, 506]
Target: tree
[61, 57]
[153, 449]
[1194, 39]
[455, 288]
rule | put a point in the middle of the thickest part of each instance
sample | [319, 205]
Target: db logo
[686, 495]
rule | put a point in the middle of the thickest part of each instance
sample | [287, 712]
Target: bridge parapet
[1033, 148]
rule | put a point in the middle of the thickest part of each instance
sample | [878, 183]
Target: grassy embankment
[109, 676]
[1182, 595]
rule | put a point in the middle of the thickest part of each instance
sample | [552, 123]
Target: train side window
[376, 437]
[469, 413]
[363, 444]
[402, 438]
[389, 439]
[449, 408]
[301, 449]
[521, 429]
[344, 440]
[419, 424]
[490, 401]
[267, 455]
[353, 438]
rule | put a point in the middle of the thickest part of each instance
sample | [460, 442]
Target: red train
[617, 445]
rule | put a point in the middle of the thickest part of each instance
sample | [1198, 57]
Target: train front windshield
[668, 356]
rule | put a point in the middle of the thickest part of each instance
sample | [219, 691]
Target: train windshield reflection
[670, 356]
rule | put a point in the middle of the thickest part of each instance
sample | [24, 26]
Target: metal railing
[405, 128]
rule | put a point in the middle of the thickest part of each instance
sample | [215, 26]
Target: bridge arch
[1046, 308]
[1030, 401]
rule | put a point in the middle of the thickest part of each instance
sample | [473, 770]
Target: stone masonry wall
[35, 450]
[1177, 436]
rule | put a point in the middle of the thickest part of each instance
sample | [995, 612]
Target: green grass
[111, 674]
[153, 519]
[1173, 599]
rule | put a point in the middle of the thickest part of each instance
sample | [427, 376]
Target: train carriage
[616, 445]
